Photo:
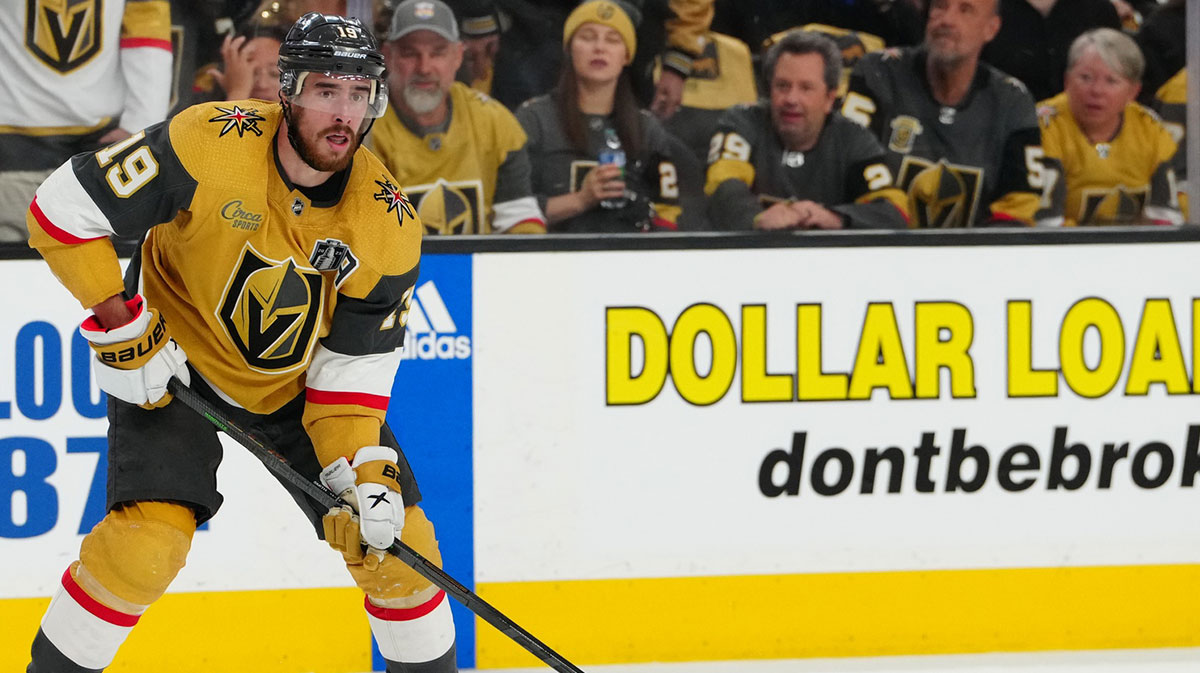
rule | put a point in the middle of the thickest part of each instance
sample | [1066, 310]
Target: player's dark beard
[305, 146]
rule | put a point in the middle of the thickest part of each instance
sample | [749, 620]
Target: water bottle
[612, 153]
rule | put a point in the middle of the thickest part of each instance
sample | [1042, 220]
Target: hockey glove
[135, 361]
[372, 488]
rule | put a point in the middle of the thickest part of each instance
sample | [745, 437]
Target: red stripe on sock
[94, 606]
[404, 614]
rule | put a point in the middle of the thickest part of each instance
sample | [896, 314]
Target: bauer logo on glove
[135, 361]
[145, 347]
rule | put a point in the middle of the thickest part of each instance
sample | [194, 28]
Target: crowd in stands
[536, 116]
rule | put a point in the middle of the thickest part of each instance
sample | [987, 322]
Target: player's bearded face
[323, 141]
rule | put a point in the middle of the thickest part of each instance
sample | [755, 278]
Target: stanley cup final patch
[330, 254]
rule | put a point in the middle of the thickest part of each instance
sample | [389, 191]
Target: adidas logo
[431, 333]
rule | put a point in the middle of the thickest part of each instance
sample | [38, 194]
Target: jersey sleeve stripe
[70, 208]
[135, 42]
[94, 606]
[55, 233]
[370, 375]
[332, 397]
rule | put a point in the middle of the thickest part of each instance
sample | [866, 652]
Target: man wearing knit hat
[460, 155]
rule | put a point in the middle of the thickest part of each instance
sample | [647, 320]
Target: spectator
[530, 54]
[250, 65]
[567, 129]
[195, 35]
[721, 77]
[460, 155]
[853, 45]
[1111, 155]
[1035, 35]
[1170, 102]
[962, 137]
[1162, 38]
[479, 23]
[794, 163]
[69, 91]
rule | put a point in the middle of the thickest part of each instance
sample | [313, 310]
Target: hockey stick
[325, 498]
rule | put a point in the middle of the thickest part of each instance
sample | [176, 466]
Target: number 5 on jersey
[134, 171]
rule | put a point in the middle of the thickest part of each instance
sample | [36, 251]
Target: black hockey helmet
[336, 46]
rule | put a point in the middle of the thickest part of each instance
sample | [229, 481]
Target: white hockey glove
[372, 488]
[135, 361]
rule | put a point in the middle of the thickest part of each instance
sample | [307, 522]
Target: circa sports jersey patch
[64, 35]
[237, 119]
[270, 311]
[239, 216]
[330, 254]
[395, 199]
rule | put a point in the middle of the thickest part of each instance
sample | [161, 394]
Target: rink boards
[674, 455]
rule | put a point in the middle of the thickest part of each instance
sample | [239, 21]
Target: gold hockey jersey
[1128, 180]
[473, 178]
[270, 294]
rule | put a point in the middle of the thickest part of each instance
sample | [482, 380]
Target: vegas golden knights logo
[271, 310]
[1116, 205]
[942, 194]
[451, 207]
[64, 34]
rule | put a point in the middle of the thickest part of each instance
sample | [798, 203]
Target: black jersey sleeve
[732, 203]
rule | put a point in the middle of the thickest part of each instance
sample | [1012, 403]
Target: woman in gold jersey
[1108, 158]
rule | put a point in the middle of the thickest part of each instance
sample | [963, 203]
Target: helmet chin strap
[291, 130]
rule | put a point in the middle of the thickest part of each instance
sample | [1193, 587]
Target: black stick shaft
[281, 468]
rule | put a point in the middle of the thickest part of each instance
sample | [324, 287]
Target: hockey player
[592, 103]
[1108, 158]
[791, 162]
[275, 278]
[962, 137]
[76, 75]
[460, 154]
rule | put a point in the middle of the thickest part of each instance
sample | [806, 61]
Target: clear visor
[335, 93]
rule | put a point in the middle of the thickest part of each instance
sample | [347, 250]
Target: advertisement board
[830, 452]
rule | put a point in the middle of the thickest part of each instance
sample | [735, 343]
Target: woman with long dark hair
[578, 132]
